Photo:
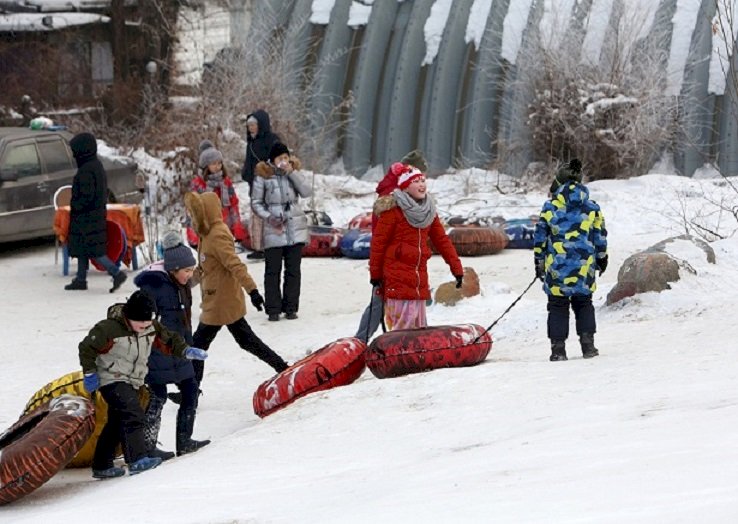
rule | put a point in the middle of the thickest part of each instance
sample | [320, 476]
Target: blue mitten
[91, 382]
[195, 353]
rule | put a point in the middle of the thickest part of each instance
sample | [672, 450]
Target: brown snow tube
[72, 384]
[474, 241]
[41, 443]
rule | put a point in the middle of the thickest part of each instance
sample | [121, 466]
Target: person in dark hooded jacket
[569, 246]
[259, 141]
[87, 219]
[168, 283]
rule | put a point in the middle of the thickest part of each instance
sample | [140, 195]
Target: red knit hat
[407, 176]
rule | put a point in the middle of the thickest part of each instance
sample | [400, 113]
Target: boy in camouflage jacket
[570, 245]
[114, 358]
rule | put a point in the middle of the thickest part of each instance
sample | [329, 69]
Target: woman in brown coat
[223, 278]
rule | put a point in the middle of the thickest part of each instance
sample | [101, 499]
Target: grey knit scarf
[214, 181]
[418, 214]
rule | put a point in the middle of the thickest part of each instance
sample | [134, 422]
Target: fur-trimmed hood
[267, 169]
[205, 210]
[384, 203]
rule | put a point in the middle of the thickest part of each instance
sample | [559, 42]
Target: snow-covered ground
[643, 433]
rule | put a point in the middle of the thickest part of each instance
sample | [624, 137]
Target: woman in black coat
[259, 141]
[87, 218]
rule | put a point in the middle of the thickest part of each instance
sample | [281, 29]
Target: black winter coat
[174, 308]
[87, 228]
[257, 148]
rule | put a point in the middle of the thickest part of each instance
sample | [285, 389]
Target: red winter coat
[231, 213]
[399, 253]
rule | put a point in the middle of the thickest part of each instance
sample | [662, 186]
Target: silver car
[33, 165]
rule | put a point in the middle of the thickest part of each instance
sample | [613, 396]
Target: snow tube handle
[326, 375]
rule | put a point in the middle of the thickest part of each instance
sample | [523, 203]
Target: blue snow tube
[356, 243]
[520, 232]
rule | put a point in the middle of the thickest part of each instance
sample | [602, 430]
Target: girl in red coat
[213, 177]
[398, 260]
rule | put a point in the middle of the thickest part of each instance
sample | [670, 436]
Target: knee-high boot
[185, 426]
[151, 429]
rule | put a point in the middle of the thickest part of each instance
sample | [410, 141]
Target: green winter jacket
[118, 354]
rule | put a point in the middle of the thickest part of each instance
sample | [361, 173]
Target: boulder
[448, 294]
[654, 268]
[643, 272]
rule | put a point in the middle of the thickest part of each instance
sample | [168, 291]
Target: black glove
[376, 282]
[540, 269]
[459, 281]
[256, 299]
[602, 264]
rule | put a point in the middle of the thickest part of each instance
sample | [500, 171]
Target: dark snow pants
[83, 266]
[246, 339]
[125, 426]
[371, 318]
[276, 299]
[558, 315]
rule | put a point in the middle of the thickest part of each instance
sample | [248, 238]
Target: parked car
[33, 165]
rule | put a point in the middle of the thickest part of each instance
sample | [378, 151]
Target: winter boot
[118, 280]
[151, 430]
[558, 350]
[185, 425]
[256, 255]
[143, 464]
[587, 342]
[291, 315]
[273, 317]
[76, 285]
[109, 473]
[176, 396]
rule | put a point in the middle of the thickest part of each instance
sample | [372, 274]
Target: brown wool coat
[223, 276]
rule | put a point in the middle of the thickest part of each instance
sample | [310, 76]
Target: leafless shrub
[613, 115]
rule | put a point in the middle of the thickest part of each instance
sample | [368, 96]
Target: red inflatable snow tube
[337, 364]
[407, 351]
[323, 241]
[117, 245]
[362, 221]
[41, 443]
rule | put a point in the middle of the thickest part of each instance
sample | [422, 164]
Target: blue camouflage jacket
[570, 238]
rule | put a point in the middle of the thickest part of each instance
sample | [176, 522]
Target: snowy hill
[642, 433]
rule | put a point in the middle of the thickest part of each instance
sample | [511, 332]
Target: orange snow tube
[406, 351]
[41, 443]
[337, 364]
[474, 241]
[72, 383]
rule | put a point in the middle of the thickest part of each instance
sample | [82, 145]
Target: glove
[602, 264]
[91, 382]
[257, 300]
[376, 282]
[540, 270]
[275, 221]
[459, 281]
[195, 353]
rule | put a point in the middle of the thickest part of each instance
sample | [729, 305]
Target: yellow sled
[72, 383]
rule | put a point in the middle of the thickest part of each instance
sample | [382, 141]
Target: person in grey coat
[277, 188]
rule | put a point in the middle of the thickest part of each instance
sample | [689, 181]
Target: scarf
[418, 214]
[215, 181]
